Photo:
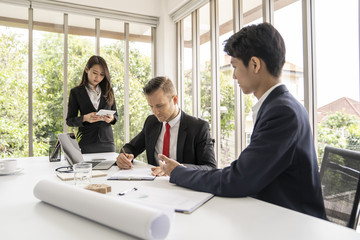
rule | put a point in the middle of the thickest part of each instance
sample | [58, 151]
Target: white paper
[133, 218]
[177, 198]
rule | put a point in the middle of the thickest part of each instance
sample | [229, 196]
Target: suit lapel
[181, 136]
[276, 92]
[85, 95]
[153, 136]
[102, 104]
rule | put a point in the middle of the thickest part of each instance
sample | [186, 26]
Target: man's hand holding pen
[124, 160]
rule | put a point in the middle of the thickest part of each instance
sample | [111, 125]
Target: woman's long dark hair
[105, 84]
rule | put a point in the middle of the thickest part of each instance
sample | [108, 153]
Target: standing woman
[94, 93]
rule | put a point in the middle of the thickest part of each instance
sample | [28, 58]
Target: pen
[122, 149]
[127, 191]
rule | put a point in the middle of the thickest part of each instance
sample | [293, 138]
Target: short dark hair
[160, 82]
[262, 41]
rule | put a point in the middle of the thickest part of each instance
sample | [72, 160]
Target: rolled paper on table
[132, 218]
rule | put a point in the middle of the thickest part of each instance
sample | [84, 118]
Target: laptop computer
[73, 155]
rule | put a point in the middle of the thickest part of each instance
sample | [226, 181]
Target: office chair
[340, 181]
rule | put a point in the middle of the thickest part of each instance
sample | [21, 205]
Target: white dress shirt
[174, 132]
[94, 94]
[257, 106]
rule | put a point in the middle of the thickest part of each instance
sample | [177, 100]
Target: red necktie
[166, 140]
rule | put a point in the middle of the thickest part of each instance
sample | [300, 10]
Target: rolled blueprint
[132, 218]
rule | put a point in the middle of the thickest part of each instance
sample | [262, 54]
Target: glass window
[252, 12]
[140, 74]
[227, 101]
[81, 46]
[14, 81]
[288, 17]
[112, 50]
[188, 65]
[205, 63]
[252, 15]
[337, 69]
[48, 69]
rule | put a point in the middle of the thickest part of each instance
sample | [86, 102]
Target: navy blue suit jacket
[195, 147]
[279, 166]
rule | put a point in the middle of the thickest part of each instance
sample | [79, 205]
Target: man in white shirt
[187, 140]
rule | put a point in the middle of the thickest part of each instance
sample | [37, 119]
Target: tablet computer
[104, 112]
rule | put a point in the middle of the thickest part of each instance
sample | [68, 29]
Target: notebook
[177, 198]
[72, 153]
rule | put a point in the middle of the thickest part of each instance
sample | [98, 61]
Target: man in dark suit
[280, 165]
[189, 141]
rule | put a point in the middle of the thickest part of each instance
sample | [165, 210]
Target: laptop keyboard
[101, 165]
[94, 163]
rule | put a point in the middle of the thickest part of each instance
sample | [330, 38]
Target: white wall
[173, 5]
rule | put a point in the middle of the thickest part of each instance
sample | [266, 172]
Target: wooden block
[100, 188]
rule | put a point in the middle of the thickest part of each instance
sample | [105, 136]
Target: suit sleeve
[204, 149]
[267, 156]
[113, 107]
[72, 119]
[137, 145]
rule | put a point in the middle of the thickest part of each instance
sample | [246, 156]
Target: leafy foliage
[13, 94]
[48, 65]
[339, 130]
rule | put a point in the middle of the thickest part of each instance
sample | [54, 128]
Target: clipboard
[134, 174]
[133, 178]
[179, 199]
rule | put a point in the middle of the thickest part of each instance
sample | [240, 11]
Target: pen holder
[55, 153]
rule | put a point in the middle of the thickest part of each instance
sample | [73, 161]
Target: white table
[22, 216]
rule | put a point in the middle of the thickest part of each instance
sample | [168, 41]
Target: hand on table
[156, 171]
[167, 165]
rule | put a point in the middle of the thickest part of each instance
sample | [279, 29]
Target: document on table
[133, 174]
[178, 198]
[136, 219]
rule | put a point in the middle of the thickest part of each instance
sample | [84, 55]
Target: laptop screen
[70, 148]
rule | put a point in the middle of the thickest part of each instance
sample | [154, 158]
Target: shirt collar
[257, 106]
[97, 88]
[175, 120]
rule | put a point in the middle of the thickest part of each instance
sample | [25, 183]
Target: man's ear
[255, 64]
[175, 97]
